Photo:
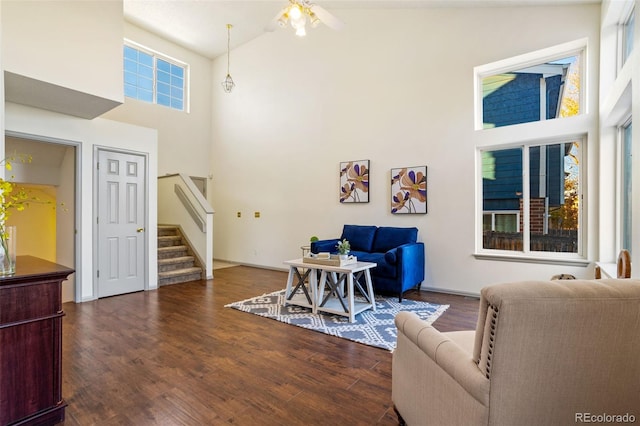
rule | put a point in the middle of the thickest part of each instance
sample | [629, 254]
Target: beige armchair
[543, 353]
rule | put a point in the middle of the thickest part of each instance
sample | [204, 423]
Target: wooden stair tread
[177, 272]
[179, 259]
[172, 248]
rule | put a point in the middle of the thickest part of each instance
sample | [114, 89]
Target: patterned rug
[371, 328]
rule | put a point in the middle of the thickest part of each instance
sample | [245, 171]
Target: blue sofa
[399, 256]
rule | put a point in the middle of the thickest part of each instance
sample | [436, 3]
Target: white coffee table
[304, 292]
[335, 291]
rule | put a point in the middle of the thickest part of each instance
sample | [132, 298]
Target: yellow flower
[10, 198]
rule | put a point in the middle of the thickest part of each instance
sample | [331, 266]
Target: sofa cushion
[383, 268]
[360, 237]
[389, 237]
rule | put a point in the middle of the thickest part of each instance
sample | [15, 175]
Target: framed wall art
[354, 181]
[409, 190]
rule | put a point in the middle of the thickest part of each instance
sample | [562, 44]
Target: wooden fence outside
[557, 240]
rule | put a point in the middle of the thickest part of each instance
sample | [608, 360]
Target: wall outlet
[239, 214]
[256, 214]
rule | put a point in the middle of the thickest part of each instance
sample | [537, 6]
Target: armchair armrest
[325, 246]
[444, 352]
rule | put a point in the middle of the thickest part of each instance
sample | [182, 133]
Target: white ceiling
[200, 25]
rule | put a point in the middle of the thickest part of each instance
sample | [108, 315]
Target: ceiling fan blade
[271, 26]
[326, 18]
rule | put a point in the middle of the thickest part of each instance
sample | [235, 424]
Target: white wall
[91, 134]
[184, 138]
[69, 43]
[396, 88]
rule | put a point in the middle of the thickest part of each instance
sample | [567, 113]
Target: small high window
[152, 77]
[534, 93]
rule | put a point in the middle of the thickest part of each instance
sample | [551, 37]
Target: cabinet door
[28, 369]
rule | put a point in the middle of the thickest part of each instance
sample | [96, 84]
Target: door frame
[96, 155]
[77, 214]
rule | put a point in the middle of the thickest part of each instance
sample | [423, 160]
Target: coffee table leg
[352, 317]
[372, 296]
[313, 283]
[287, 293]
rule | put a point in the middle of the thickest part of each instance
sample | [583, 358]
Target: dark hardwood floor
[177, 356]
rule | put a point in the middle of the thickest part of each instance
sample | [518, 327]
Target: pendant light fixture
[228, 83]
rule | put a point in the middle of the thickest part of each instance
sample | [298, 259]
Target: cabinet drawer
[22, 302]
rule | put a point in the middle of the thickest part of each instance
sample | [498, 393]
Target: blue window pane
[130, 78]
[145, 83]
[177, 104]
[145, 59]
[163, 100]
[130, 53]
[164, 77]
[177, 71]
[163, 89]
[145, 71]
[164, 66]
[130, 65]
[130, 91]
[176, 93]
[177, 82]
[145, 95]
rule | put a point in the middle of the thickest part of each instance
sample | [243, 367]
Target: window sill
[530, 259]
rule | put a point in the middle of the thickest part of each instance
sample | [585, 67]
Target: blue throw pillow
[360, 237]
[388, 237]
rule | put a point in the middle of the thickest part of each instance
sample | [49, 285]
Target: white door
[121, 221]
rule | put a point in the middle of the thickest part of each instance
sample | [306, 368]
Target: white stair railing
[181, 203]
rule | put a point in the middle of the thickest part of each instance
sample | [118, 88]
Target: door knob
[140, 230]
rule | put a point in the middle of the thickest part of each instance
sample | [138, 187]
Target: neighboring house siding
[502, 180]
[514, 102]
[510, 99]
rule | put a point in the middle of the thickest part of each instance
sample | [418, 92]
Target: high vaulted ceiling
[200, 25]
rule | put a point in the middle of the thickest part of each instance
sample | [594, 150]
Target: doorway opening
[47, 227]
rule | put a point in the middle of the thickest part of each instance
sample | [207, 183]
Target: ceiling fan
[297, 12]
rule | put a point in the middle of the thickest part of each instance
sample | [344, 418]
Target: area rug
[371, 328]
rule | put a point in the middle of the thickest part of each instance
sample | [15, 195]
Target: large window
[531, 198]
[626, 186]
[151, 77]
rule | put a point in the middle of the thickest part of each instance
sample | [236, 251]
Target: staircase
[176, 263]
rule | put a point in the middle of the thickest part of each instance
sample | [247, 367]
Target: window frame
[620, 202]
[573, 48]
[623, 55]
[527, 253]
[170, 60]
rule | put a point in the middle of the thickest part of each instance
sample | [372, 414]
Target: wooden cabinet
[31, 343]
